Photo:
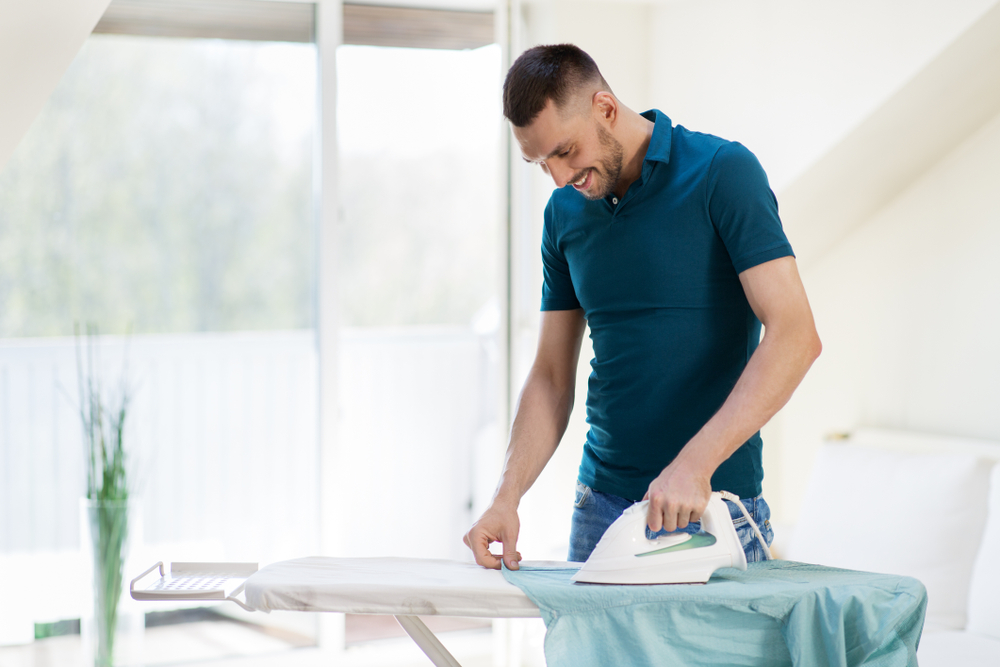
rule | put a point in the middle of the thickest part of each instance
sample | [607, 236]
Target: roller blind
[417, 28]
[223, 19]
[295, 22]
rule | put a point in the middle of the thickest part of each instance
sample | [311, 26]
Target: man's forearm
[542, 413]
[540, 420]
[774, 291]
[678, 495]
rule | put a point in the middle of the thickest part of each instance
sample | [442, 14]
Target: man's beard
[611, 165]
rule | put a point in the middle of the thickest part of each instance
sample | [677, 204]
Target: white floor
[188, 643]
[234, 644]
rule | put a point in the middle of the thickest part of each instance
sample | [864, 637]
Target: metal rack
[195, 581]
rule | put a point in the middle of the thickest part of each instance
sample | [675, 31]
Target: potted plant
[109, 511]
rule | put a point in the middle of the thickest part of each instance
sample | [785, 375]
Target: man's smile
[584, 181]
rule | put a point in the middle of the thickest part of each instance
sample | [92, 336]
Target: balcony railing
[225, 430]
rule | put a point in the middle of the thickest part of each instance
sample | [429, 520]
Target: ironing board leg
[427, 642]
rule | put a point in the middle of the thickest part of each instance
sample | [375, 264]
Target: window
[419, 135]
[167, 190]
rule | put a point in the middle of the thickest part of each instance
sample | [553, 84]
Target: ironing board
[407, 587]
[399, 587]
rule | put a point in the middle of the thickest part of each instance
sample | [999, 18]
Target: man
[669, 245]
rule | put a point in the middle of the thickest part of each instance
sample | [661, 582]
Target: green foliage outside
[164, 190]
[154, 190]
[57, 629]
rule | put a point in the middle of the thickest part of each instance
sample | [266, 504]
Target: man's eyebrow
[561, 148]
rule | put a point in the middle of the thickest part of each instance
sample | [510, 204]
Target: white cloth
[404, 586]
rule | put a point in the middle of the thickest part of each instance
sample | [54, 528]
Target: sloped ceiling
[943, 104]
[38, 41]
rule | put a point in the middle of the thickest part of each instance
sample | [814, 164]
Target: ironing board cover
[775, 613]
[405, 586]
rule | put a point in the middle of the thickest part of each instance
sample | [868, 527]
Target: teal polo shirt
[657, 276]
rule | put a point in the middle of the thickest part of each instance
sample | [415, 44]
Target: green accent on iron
[697, 541]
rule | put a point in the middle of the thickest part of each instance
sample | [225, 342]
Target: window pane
[166, 185]
[419, 133]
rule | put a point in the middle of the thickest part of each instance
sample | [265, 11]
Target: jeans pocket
[582, 494]
[767, 531]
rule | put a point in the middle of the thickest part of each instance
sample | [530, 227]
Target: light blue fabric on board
[775, 613]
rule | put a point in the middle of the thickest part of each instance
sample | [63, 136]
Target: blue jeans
[594, 511]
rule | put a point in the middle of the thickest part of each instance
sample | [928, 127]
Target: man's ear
[605, 108]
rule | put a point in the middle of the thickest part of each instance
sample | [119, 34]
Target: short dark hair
[544, 73]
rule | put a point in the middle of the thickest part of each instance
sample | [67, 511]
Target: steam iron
[624, 555]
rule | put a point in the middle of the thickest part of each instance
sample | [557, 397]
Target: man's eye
[564, 153]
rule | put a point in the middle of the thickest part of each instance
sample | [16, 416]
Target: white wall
[787, 78]
[908, 307]
[615, 34]
[38, 41]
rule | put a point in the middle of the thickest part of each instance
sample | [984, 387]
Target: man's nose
[560, 173]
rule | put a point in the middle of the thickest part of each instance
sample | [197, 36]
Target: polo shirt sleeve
[743, 208]
[557, 287]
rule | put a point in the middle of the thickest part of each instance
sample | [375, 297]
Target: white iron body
[624, 555]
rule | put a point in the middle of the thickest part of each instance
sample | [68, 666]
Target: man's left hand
[677, 497]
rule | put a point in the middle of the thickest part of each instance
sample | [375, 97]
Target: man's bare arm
[790, 345]
[540, 420]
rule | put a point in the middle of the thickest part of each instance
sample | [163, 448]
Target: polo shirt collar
[659, 143]
[657, 151]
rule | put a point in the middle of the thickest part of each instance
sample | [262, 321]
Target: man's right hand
[539, 422]
[499, 523]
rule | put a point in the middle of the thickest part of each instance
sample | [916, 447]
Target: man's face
[573, 148]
